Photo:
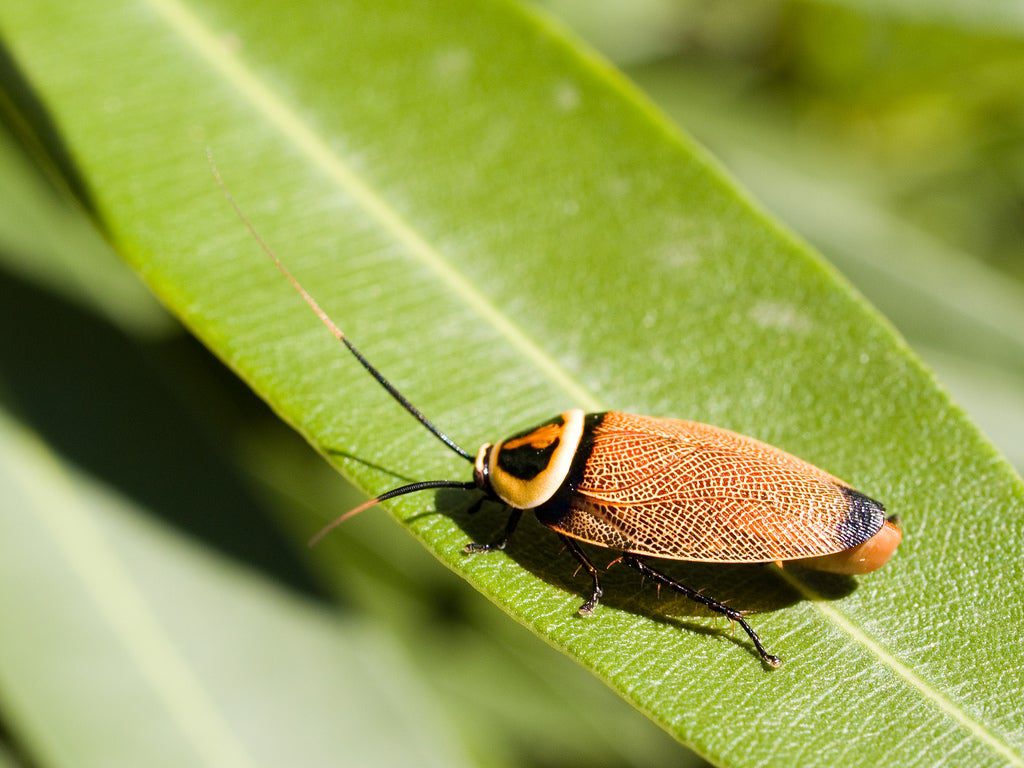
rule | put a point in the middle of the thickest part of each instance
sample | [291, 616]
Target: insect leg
[510, 527]
[730, 613]
[576, 551]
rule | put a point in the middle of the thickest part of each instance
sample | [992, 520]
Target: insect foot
[474, 548]
[587, 609]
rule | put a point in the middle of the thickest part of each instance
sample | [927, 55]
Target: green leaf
[507, 230]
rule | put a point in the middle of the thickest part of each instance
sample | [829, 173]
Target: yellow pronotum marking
[538, 439]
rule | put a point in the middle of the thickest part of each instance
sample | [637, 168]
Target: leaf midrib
[278, 113]
[323, 157]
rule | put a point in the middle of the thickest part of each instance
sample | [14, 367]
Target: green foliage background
[159, 603]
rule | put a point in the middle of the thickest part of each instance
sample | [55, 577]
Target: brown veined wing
[689, 491]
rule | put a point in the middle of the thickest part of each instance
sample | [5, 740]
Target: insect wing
[689, 491]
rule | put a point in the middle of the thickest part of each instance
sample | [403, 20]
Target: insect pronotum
[651, 487]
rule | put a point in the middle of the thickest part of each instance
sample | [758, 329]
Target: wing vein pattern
[689, 491]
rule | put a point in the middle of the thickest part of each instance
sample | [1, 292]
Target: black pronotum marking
[526, 462]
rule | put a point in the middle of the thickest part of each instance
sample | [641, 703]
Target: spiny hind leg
[581, 557]
[635, 562]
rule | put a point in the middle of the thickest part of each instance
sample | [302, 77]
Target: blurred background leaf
[890, 139]
[46, 239]
[132, 647]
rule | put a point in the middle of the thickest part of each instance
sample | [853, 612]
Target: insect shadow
[753, 588]
[338, 453]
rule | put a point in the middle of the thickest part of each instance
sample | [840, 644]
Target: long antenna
[411, 488]
[326, 320]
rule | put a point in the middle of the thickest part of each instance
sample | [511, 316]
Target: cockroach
[653, 487]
